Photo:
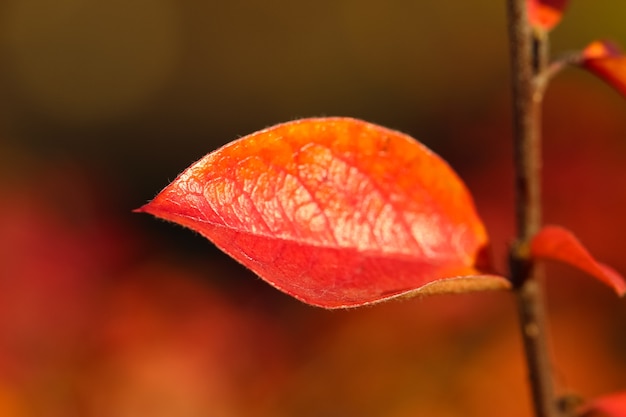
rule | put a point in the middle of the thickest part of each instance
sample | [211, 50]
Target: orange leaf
[559, 244]
[545, 14]
[336, 212]
[613, 405]
[606, 60]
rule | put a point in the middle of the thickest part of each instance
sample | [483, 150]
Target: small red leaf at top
[336, 212]
[613, 405]
[606, 60]
[545, 14]
[559, 244]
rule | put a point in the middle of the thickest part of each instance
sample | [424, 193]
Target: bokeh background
[106, 313]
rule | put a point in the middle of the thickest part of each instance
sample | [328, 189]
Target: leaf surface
[606, 60]
[545, 14]
[559, 244]
[336, 212]
[613, 405]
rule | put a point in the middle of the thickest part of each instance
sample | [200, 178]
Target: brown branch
[529, 57]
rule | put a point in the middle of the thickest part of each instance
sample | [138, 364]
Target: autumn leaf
[545, 14]
[613, 405]
[336, 212]
[559, 244]
[606, 60]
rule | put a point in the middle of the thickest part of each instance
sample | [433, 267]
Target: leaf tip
[142, 209]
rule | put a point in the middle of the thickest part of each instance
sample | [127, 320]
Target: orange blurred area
[106, 313]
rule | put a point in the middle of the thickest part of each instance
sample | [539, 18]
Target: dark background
[108, 313]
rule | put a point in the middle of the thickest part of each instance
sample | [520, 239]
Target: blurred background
[106, 313]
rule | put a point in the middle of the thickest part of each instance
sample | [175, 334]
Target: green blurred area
[134, 91]
[108, 313]
[142, 88]
[138, 89]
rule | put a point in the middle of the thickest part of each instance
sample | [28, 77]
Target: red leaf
[336, 212]
[545, 14]
[606, 60]
[613, 405]
[559, 244]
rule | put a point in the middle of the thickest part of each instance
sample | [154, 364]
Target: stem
[529, 59]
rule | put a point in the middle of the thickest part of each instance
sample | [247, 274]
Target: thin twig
[529, 57]
[570, 59]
